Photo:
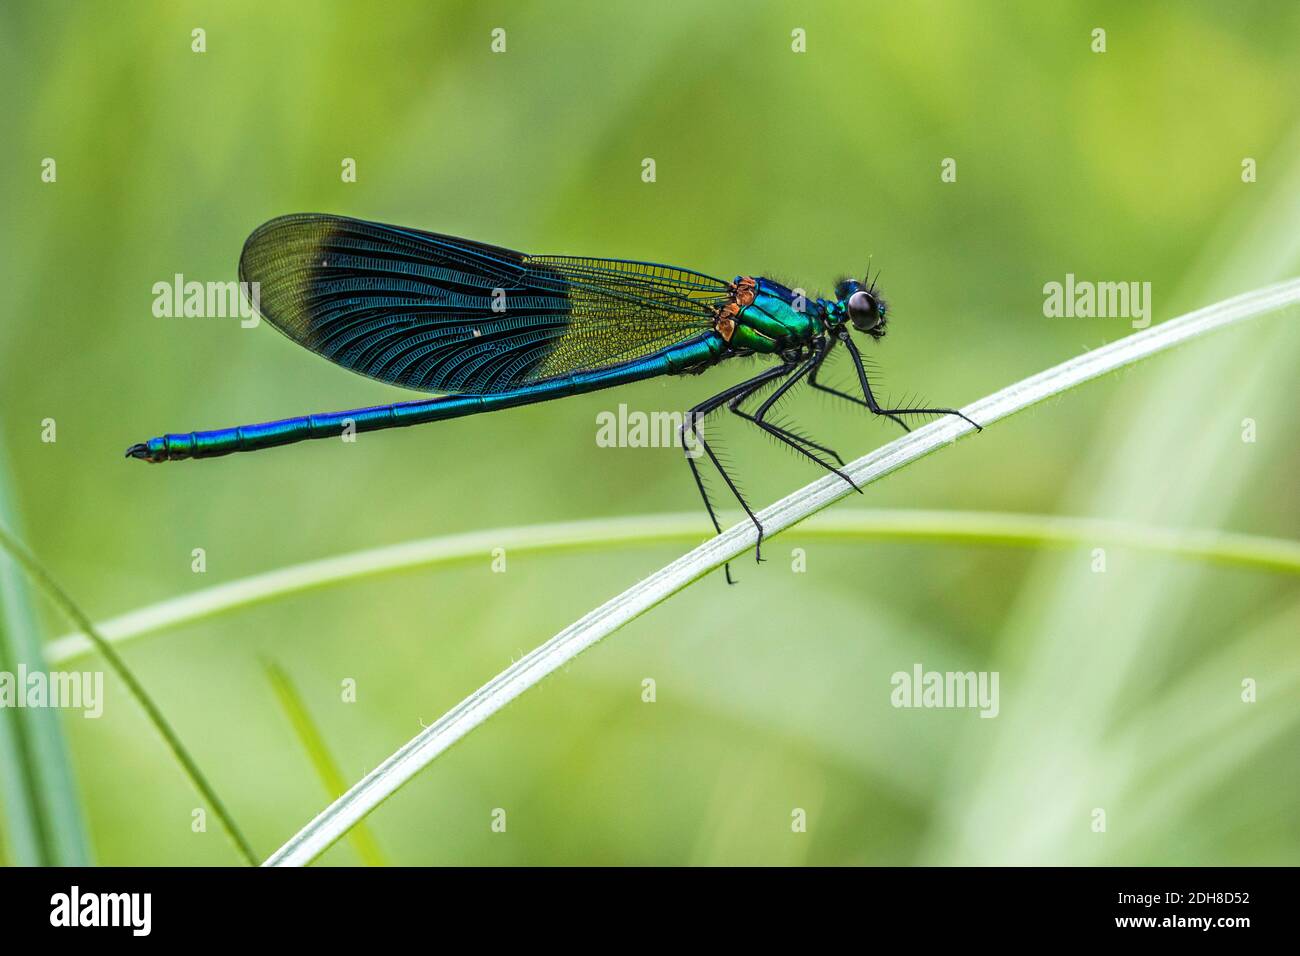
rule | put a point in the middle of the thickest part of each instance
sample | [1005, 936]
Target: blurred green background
[1119, 691]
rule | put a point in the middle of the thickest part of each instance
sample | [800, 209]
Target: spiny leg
[819, 353]
[870, 403]
[870, 400]
[696, 416]
[795, 441]
[812, 362]
[802, 442]
[691, 427]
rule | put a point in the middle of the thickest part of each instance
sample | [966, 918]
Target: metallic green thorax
[773, 323]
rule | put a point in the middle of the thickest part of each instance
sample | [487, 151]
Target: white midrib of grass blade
[336, 819]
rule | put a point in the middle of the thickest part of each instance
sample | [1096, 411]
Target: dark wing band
[442, 314]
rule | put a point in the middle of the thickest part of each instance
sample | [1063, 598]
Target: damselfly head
[863, 306]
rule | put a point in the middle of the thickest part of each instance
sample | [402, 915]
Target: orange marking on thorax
[743, 291]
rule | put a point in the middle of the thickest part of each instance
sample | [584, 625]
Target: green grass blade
[984, 528]
[313, 742]
[19, 553]
[43, 823]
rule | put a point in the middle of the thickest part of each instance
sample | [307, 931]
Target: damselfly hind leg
[693, 438]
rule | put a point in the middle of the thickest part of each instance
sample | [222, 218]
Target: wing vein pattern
[441, 314]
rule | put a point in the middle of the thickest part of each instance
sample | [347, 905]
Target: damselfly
[490, 328]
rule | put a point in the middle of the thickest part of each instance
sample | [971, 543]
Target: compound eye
[863, 312]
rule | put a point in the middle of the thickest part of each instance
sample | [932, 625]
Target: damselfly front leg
[868, 400]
